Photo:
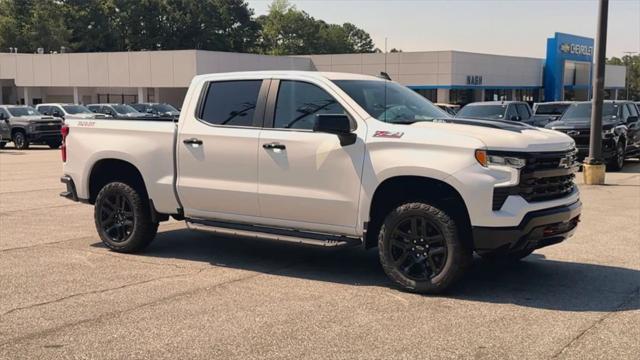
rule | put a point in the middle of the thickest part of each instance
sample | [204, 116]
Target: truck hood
[37, 119]
[580, 123]
[503, 135]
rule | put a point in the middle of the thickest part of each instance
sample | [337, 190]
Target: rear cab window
[231, 103]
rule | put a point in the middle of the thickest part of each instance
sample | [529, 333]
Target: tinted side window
[511, 112]
[298, 104]
[625, 112]
[45, 110]
[231, 102]
[523, 111]
[633, 111]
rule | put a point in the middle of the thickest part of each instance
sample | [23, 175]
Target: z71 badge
[388, 134]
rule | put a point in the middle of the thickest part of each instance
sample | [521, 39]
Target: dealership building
[441, 76]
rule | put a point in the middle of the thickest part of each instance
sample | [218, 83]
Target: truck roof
[308, 74]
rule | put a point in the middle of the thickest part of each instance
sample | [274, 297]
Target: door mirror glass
[338, 124]
[332, 124]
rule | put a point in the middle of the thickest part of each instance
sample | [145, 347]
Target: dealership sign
[576, 49]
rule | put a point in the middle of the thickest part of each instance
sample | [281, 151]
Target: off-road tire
[141, 232]
[617, 162]
[20, 140]
[3, 144]
[458, 255]
[54, 144]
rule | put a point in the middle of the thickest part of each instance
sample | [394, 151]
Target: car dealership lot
[191, 295]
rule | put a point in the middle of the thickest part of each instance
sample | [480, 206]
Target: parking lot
[192, 295]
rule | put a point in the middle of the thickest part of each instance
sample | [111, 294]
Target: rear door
[310, 181]
[217, 151]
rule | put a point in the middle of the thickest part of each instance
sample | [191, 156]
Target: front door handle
[192, 141]
[274, 145]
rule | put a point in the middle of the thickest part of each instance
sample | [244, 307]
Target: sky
[508, 27]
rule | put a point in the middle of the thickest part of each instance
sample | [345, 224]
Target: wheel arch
[395, 190]
[108, 170]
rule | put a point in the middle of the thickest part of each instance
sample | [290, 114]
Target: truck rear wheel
[123, 218]
[2, 144]
[20, 140]
[54, 144]
[421, 250]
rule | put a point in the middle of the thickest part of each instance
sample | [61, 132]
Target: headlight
[487, 160]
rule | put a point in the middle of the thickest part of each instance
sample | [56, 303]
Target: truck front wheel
[421, 250]
[20, 140]
[123, 218]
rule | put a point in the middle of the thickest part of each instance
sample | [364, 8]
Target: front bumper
[537, 229]
[46, 136]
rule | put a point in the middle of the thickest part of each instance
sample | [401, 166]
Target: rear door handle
[192, 141]
[274, 145]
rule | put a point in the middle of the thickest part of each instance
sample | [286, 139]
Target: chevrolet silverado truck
[27, 126]
[620, 130]
[329, 159]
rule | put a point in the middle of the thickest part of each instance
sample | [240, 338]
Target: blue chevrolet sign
[561, 48]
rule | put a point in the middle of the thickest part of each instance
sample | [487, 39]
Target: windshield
[390, 102]
[551, 109]
[582, 111]
[23, 111]
[164, 108]
[483, 111]
[76, 109]
[124, 109]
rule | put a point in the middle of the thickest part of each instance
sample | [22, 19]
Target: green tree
[32, 24]
[359, 39]
[632, 62]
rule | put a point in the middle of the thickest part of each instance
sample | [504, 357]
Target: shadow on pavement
[631, 166]
[535, 282]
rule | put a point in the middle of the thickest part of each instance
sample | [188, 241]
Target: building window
[430, 94]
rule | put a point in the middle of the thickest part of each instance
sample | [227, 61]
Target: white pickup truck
[329, 159]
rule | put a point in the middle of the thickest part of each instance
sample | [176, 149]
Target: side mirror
[338, 124]
[632, 119]
[515, 118]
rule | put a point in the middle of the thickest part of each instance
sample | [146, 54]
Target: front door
[217, 152]
[307, 179]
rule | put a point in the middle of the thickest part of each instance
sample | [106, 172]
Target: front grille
[546, 176]
[55, 127]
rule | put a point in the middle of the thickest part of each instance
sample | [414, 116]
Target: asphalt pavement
[192, 295]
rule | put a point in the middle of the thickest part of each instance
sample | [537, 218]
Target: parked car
[28, 126]
[329, 159]
[498, 110]
[620, 130]
[162, 110]
[544, 113]
[450, 109]
[121, 112]
[68, 111]
[5, 129]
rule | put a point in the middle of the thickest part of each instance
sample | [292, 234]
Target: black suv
[498, 110]
[620, 130]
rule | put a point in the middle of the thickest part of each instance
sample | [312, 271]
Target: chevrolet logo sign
[564, 47]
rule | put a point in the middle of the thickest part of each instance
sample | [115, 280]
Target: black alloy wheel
[20, 140]
[418, 248]
[116, 217]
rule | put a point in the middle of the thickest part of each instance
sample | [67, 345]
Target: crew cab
[329, 159]
[27, 126]
[121, 111]
[68, 111]
[498, 110]
[620, 130]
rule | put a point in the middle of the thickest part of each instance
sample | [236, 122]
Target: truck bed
[147, 145]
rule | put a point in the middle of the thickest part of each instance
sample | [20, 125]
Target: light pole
[626, 80]
[594, 167]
